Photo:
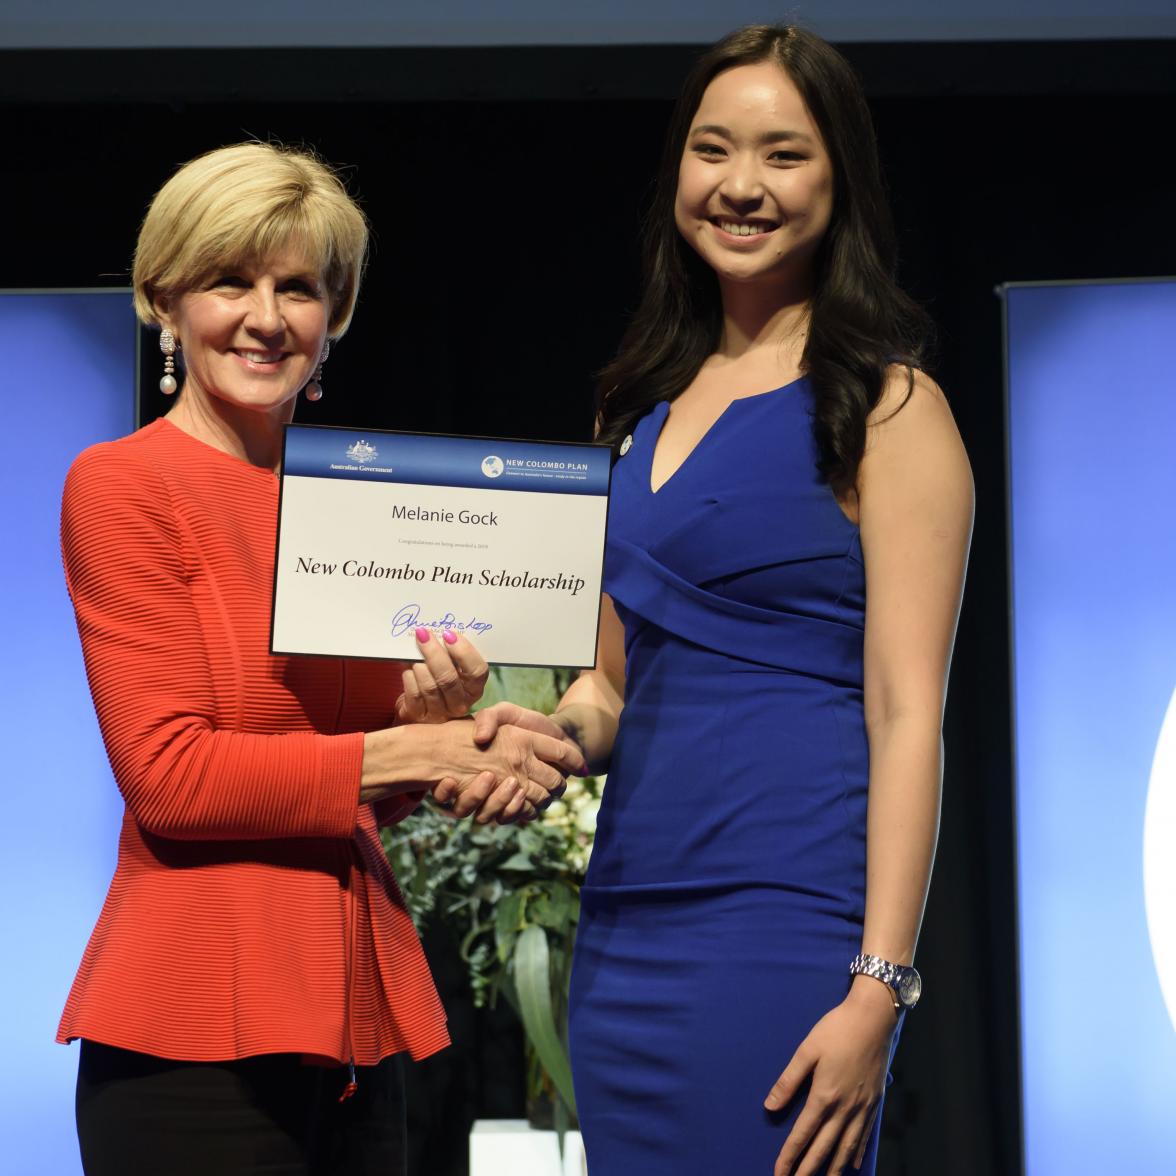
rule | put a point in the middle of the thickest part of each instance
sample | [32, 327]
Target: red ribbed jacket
[252, 909]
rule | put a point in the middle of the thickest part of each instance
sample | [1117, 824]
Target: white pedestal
[512, 1147]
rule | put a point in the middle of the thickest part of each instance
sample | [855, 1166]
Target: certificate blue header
[422, 459]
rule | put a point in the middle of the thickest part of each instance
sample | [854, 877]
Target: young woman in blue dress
[788, 538]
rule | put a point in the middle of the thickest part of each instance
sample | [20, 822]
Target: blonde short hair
[244, 203]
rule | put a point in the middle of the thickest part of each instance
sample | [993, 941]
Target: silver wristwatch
[905, 984]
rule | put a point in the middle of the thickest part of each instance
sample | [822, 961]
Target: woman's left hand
[446, 684]
[845, 1058]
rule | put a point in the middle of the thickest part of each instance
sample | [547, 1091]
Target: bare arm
[590, 709]
[916, 524]
[915, 502]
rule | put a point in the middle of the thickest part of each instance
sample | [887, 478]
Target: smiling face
[251, 336]
[755, 185]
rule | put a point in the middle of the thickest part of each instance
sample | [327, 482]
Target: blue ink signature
[409, 617]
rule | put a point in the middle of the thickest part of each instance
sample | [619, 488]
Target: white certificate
[381, 533]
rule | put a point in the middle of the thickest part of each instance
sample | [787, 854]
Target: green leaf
[539, 909]
[533, 986]
[534, 689]
[562, 1123]
[555, 907]
[506, 924]
[531, 842]
[518, 861]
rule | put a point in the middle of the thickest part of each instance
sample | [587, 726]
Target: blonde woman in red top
[253, 976]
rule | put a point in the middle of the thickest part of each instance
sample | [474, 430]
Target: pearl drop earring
[314, 390]
[168, 345]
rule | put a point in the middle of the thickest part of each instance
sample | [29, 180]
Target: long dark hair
[860, 321]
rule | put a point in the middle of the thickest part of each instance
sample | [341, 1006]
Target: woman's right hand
[517, 772]
[531, 771]
[511, 803]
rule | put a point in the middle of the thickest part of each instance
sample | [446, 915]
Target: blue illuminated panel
[1092, 467]
[69, 363]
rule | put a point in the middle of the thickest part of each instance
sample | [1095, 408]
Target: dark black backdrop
[506, 189]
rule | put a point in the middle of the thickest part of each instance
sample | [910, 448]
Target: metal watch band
[892, 975]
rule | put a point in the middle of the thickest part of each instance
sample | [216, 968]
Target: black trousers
[140, 1115]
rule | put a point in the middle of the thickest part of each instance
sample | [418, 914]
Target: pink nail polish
[422, 635]
[450, 637]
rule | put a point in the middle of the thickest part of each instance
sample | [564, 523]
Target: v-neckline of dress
[655, 491]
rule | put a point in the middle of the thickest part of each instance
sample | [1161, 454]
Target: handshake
[527, 758]
[507, 764]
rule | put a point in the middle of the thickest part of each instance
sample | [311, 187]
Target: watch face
[910, 988]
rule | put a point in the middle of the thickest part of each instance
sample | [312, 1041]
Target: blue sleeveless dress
[725, 895]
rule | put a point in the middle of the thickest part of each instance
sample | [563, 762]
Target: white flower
[586, 817]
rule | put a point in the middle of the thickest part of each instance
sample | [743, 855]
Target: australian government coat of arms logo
[362, 453]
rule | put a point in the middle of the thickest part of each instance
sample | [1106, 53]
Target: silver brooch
[627, 444]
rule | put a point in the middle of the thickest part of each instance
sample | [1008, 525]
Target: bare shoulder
[912, 411]
[912, 436]
[910, 393]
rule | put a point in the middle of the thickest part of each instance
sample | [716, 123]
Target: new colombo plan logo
[363, 453]
[492, 466]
